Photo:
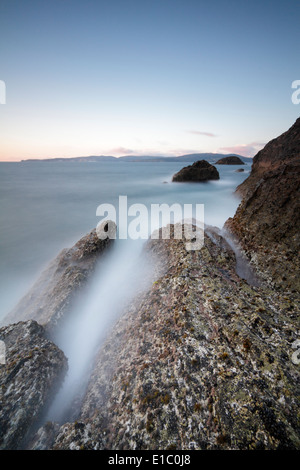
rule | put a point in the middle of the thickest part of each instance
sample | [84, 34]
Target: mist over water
[121, 275]
[45, 207]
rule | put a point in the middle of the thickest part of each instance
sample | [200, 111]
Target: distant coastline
[212, 157]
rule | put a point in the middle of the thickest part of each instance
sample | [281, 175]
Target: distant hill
[91, 158]
[190, 158]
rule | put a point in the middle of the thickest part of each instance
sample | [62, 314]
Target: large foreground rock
[203, 361]
[200, 171]
[34, 368]
[267, 222]
[52, 296]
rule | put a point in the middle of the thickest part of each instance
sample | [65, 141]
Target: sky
[145, 77]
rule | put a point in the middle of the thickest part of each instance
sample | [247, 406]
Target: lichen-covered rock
[33, 370]
[82, 435]
[61, 283]
[203, 361]
[43, 438]
[199, 171]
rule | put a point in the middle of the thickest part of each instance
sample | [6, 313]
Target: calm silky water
[47, 206]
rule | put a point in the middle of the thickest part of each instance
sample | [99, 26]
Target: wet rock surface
[200, 171]
[33, 370]
[52, 296]
[203, 361]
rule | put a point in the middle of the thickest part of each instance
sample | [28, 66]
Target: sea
[48, 206]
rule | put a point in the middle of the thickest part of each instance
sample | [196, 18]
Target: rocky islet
[200, 171]
[230, 160]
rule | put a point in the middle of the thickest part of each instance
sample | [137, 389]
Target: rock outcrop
[278, 152]
[267, 222]
[33, 370]
[52, 296]
[231, 160]
[204, 361]
[200, 171]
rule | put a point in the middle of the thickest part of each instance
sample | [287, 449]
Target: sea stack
[231, 160]
[199, 171]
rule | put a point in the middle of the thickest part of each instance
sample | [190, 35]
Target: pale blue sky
[146, 77]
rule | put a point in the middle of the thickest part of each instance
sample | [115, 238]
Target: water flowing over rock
[33, 370]
[267, 222]
[200, 171]
[53, 295]
[202, 361]
[231, 160]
